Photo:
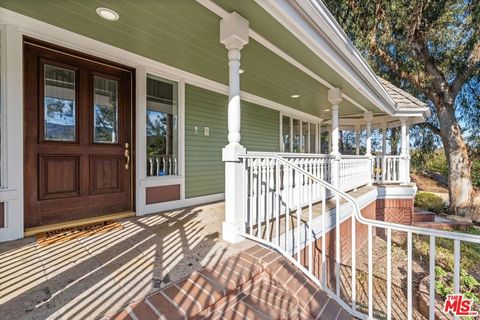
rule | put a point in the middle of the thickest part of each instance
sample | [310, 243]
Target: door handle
[127, 155]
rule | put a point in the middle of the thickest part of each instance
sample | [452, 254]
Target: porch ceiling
[184, 34]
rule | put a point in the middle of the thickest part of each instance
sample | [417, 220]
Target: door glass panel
[296, 135]
[59, 104]
[286, 133]
[162, 127]
[105, 110]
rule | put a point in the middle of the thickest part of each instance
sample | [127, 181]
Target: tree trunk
[460, 188]
[394, 141]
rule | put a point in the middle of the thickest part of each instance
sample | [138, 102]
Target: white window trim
[144, 181]
[180, 129]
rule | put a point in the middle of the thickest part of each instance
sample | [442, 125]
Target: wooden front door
[78, 136]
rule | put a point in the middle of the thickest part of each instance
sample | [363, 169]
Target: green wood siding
[260, 128]
[204, 169]
[184, 34]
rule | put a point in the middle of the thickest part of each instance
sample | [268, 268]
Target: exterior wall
[204, 168]
[345, 244]
[395, 210]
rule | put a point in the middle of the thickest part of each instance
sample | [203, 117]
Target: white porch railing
[161, 165]
[274, 217]
[388, 168]
[354, 172]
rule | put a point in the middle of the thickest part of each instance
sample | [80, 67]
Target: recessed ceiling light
[327, 110]
[295, 96]
[241, 71]
[107, 14]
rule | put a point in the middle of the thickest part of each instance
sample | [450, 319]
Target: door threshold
[76, 223]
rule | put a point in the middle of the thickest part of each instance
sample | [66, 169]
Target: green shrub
[469, 286]
[429, 201]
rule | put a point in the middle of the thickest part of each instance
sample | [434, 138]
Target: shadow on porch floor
[95, 276]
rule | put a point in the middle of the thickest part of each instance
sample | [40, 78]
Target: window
[286, 133]
[303, 141]
[59, 104]
[312, 139]
[162, 127]
[298, 136]
[105, 110]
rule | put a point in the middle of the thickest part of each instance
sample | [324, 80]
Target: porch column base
[231, 232]
[234, 223]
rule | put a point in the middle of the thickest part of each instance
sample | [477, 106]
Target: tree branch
[470, 67]
[432, 127]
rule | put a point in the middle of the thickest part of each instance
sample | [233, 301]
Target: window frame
[177, 100]
[145, 181]
[307, 145]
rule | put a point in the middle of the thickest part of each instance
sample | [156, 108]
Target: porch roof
[279, 60]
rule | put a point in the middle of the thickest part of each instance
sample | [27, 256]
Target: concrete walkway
[95, 277]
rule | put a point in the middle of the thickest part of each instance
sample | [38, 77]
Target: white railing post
[368, 117]
[234, 35]
[403, 165]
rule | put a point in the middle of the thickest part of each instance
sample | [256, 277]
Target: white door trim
[11, 131]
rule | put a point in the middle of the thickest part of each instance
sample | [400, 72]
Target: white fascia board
[423, 112]
[413, 117]
[329, 43]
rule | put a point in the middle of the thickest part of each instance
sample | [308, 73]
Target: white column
[384, 149]
[357, 139]
[329, 138]
[404, 161]
[335, 97]
[403, 150]
[368, 117]
[319, 138]
[234, 35]
[407, 160]
[384, 138]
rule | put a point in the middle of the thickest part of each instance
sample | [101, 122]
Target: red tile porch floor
[255, 284]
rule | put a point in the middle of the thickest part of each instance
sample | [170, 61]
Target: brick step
[423, 216]
[255, 284]
[443, 225]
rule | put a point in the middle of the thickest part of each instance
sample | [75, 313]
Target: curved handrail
[382, 224]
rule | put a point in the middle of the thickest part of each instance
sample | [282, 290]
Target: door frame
[111, 64]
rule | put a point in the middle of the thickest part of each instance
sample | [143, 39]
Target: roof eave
[423, 112]
[311, 22]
